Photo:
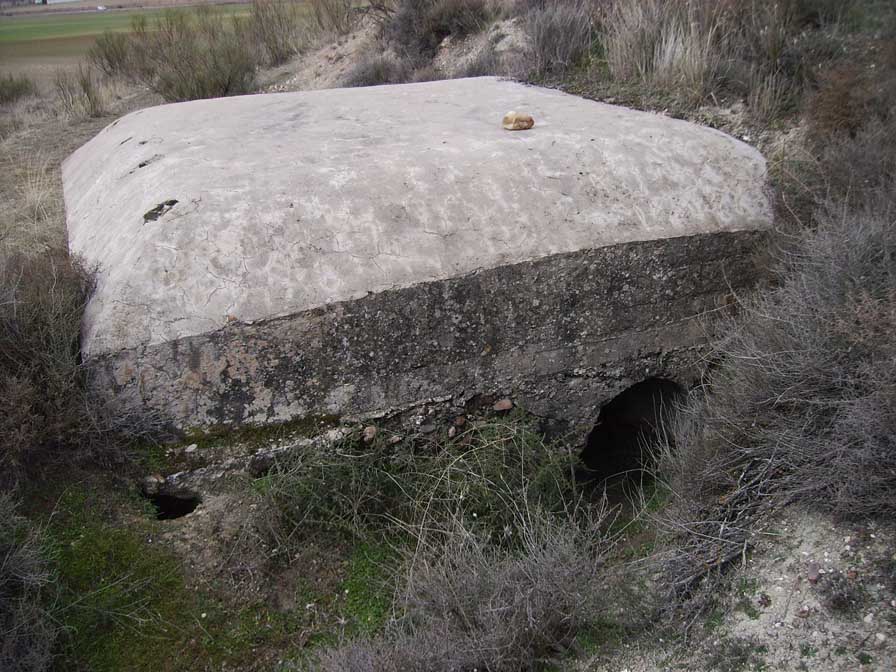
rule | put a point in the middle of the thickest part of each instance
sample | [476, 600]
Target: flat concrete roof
[243, 209]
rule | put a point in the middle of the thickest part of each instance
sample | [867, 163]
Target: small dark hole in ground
[618, 448]
[170, 508]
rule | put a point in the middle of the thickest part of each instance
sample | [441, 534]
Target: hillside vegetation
[482, 550]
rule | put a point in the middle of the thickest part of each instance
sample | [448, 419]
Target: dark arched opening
[619, 445]
[169, 507]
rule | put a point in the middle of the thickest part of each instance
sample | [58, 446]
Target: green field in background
[33, 28]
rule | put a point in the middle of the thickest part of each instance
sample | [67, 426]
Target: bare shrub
[418, 27]
[377, 70]
[467, 605]
[840, 593]
[15, 87]
[48, 417]
[561, 35]
[336, 16]
[191, 55]
[485, 63]
[849, 170]
[380, 11]
[28, 630]
[840, 102]
[801, 406]
[427, 73]
[41, 303]
[111, 54]
[277, 25]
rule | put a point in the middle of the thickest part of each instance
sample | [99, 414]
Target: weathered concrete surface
[349, 251]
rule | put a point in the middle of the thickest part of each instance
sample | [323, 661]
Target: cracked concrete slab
[352, 250]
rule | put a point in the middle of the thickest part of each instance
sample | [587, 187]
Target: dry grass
[38, 197]
[676, 46]
[31, 217]
[464, 604]
[764, 51]
[82, 93]
[279, 27]
[561, 35]
[28, 630]
[334, 16]
[502, 560]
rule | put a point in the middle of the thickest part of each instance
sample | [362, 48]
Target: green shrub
[14, 87]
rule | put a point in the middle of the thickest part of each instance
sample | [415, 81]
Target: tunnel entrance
[169, 507]
[618, 448]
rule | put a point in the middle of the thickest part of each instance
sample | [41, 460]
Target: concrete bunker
[359, 252]
[627, 429]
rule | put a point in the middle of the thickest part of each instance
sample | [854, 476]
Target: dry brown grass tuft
[561, 35]
[82, 93]
[38, 195]
[840, 103]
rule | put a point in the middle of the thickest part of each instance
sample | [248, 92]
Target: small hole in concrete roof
[159, 210]
[169, 507]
